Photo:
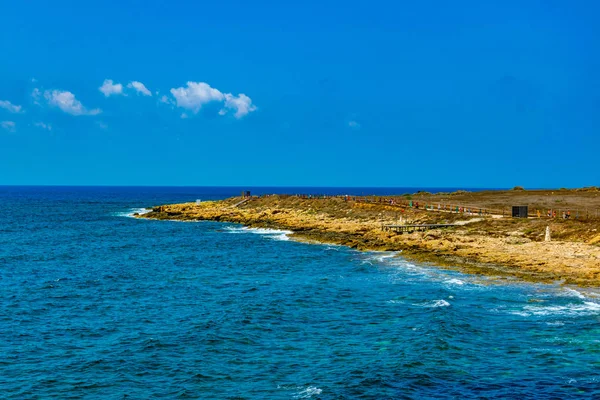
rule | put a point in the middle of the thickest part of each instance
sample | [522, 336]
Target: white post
[547, 238]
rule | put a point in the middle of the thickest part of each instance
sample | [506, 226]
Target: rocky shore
[479, 244]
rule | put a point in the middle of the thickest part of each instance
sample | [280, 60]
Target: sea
[95, 304]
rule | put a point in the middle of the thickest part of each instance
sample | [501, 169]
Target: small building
[520, 211]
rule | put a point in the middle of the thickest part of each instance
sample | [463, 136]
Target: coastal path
[413, 228]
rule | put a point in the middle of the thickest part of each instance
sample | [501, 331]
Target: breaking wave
[130, 213]
[275, 234]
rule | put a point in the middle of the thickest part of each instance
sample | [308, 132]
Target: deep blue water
[94, 304]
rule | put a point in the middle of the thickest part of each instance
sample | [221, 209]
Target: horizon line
[283, 187]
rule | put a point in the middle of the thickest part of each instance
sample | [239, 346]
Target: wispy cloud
[9, 126]
[354, 125]
[10, 107]
[139, 87]
[110, 88]
[102, 125]
[166, 100]
[43, 125]
[36, 95]
[67, 102]
[197, 94]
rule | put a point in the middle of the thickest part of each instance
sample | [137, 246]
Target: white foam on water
[408, 270]
[275, 234]
[434, 304]
[307, 393]
[395, 302]
[571, 310]
[234, 229]
[573, 293]
[129, 213]
[440, 303]
[383, 256]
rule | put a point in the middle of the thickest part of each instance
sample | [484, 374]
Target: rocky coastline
[478, 244]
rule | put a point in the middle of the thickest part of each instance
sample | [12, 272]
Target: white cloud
[13, 108]
[8, 125]
[67, 102]
[166, 100]
[43, 125]
[242, 105]
[354, 125]
[139, 87]
[36, 94]
[196, 94]
[110, 88]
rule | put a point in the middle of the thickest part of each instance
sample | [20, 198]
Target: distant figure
[549, 213]
[568, 214]
[539, 214]
[554, 214]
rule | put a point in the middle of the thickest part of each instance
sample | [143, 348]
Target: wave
[573, 293]
[308, 392]
[130, 213]
[385, 255]
[409, 271]
[571, 310]
[434, 304]
[275, 234]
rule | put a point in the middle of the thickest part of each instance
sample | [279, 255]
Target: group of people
[552, 214]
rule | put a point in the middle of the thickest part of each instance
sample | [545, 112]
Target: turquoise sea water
[95, 304]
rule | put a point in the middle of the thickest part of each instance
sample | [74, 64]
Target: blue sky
[314, 93]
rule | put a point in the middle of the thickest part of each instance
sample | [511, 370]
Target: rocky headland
[482, 241]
